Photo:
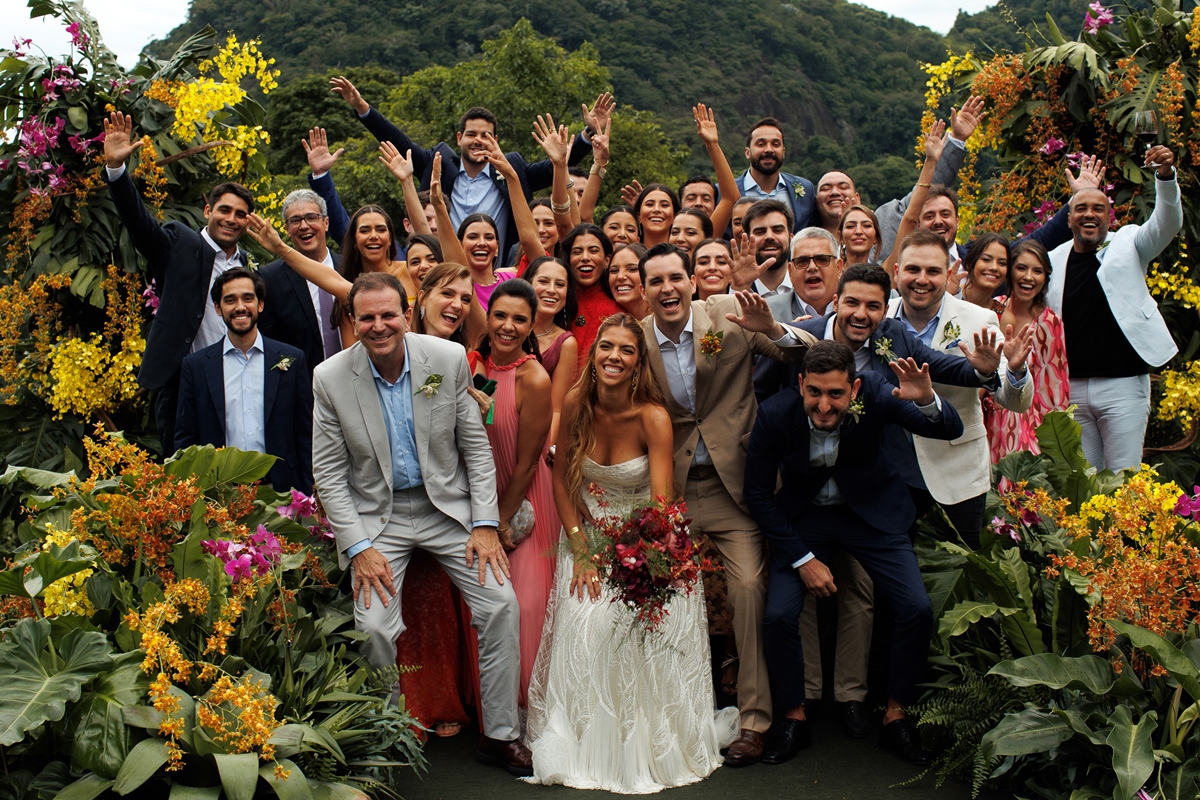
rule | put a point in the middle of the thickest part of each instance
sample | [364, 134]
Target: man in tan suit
[702, 356]
[401, 461]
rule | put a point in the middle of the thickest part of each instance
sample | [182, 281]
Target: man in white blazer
[957, 473]
[401, 461]
[1115, 334]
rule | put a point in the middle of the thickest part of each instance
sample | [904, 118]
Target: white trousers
[1113, 413]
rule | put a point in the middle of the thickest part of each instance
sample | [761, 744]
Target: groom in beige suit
[702, 356]
[401, 461]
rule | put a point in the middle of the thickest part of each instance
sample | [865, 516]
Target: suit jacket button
[383, 520]
[188, 340]
[687, 452]
[699, 422]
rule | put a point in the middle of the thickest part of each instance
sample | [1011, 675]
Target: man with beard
[469, 183]
[768, 223]
[1114, 331]
[763, 179]
[248, 391]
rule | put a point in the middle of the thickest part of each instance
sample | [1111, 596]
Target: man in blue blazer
[481, 190]
[822, 442]
[765, 180]
[248, 391]
[182, 264]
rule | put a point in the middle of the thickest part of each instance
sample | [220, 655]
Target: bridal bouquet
[646, 556]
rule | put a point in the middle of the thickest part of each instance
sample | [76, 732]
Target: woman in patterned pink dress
[520, 412]
[1028, 275]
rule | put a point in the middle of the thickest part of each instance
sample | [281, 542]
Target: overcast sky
[128, 25]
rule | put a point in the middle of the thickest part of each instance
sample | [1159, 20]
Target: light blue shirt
[862, 356]
[396, 401]
[479, 195]
[751, 189]
[245, 384]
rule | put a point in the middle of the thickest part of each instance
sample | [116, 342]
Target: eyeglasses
[822, 262]
[311, 219]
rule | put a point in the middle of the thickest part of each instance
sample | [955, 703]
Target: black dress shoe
[856, 719]
[901, 738]
[788, 737]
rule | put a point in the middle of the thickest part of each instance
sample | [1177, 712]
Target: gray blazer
[352, 461]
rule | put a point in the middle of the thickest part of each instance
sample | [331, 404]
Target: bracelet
[560, 209]
[574, 531]
[599, 169]
[926, 185]
[570, 183]
[502, 529]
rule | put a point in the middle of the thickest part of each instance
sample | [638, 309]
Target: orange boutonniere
[710, 343]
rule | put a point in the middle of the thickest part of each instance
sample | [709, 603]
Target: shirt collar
[932, 320]
[760, 287]
[462, 170]
[829, 331]
[403, 370]
[237, 254]
[229, 345]
[750, 185]
[662, 337]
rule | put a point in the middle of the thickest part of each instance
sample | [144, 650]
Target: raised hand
[706, 125]
[119, 143]
[1017, 348]
[915, 383]
[1091, 174]
[555, 141]
[934, 141]
[495, 156]
[400, 165]
[746, 269]
[600, 113]
[630, 192]
[600, 145]
[1161, 157]
[756, 315]
[963, 123]
[341, 85]
[265, 234]
[320, 160]
[954, 277]
[435, 182]
[985, 358]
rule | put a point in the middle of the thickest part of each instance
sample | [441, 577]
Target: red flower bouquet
[646, 556]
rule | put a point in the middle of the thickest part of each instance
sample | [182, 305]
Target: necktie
[330, 336]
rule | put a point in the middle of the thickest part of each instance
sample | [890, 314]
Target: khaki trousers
[856, 613]
[715, 514]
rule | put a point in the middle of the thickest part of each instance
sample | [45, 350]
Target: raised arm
[402, 168]
[600, 159]
[933, 152]
[1158, 231]
[312, 271]
[380, 126]
[522, 215]
[144, 231]
[706, 128]
[556, 143]
[452, 249]
[1056, 231]
[320, 162]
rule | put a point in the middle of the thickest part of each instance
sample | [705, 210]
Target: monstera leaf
[37, 683]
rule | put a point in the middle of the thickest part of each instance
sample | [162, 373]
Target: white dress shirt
[314, 293]
[245, 385]
[785, 287]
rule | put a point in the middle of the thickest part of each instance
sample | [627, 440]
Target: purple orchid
[1102, 19]
[1002, 527]
[1052, 146]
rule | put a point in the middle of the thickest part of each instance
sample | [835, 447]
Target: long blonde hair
[581, 422]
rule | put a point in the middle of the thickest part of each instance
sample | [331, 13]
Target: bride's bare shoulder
[654, 417]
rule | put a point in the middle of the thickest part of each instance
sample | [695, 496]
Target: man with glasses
[813, 269]
[299, 313]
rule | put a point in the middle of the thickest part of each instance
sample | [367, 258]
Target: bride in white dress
[612, 706]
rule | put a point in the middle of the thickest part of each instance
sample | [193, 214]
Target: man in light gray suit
[401, 462]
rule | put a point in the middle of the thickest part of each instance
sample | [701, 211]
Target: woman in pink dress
[520, 410]
[1028, 275]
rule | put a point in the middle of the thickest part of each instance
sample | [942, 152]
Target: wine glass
[1145, 128]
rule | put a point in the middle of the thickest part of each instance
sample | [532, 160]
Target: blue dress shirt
[479, 195]
[245, 385]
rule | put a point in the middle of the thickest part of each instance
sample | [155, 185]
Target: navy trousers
[890, 561]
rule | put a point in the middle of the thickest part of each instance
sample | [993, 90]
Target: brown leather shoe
[512, 756]
[747, 749]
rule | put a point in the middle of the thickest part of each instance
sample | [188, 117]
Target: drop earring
[633, 388]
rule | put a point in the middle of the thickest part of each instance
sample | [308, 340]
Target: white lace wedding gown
[611, 706]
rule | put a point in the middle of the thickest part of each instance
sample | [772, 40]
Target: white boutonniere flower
[251, 262]
[951, 333]
[883, 348]
[430, 387]
[284, 364]
[798, 189]
[856, 410]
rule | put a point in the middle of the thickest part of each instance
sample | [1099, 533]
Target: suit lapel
[705, 367]
[214, 375]
[300, 287]
[422, 406]
[949, 315]
[375, 426]
[271, 377]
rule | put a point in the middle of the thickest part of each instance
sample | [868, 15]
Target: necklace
[546, 332]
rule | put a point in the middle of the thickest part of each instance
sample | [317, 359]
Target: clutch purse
[522, 522]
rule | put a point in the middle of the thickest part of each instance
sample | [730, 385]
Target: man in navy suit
[469, 183]
[765, 180]
[300, 313]
[839, 491]
[182, 263]
[248, 391]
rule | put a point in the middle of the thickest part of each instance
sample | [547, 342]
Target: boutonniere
[251, 263]
[284, 364]
[951, 332]
[856, 409]
[710, 343]
[883, 348]
[798, 189]
[430, 387]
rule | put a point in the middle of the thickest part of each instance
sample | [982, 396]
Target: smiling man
[248, 391]
[182, 265]
[702, 353]
[835, 192]
[765, 179]
[769, 224]
[1115, 334]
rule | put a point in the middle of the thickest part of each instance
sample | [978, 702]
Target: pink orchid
[1045, 208]
[266, 544]
[301, 506]
[79, 39]
[1030, 227]
[1103, 18]
[240, 568]
[1052, 146]
[151, 298]
[1003, 527]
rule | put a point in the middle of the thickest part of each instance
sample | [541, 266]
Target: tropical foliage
[179, 626]
[1067, 645]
